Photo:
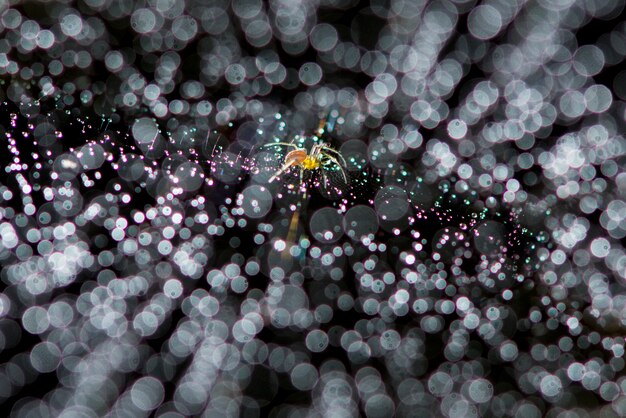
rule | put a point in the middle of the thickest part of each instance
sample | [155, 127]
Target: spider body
[300, 157]
[320, 156]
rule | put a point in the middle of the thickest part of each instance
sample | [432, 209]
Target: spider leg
[324, 178]
[282, 144]
[337, 153]
[280, 171]
[315, 151]
[302, 187]
[334, 160]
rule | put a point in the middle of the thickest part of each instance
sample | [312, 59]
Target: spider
[320, 157]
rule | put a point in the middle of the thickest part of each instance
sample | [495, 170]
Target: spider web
[332, 184]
